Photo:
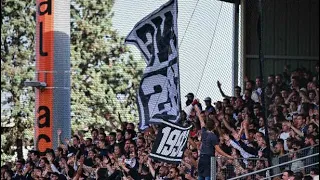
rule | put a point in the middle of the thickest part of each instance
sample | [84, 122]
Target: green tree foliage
[17, 66]
[104, 76]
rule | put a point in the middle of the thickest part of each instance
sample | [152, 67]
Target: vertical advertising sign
[53, 68]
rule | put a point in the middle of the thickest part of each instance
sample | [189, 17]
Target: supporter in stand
[209, 108]
[287, 174]
[250, 86]
[190, 97]
[235, 127]
[237, 91]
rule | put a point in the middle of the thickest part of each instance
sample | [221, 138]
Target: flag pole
[179, 90]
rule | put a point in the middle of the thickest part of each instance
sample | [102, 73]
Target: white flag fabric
[170, 143]
[156, 36]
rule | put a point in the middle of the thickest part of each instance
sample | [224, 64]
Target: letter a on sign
[156, 36]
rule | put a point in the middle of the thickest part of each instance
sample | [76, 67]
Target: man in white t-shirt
[254, 94]
[285, 133]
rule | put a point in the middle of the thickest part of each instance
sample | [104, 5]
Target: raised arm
[201, 117]
[221, 152]
[305, 98]
[300, 133]
[241, 130]
[245, 127]
[315, 122]
[221, 92]
[59, 132]
[289, 98]
[123, 167]
[235, 145]
[111, 120]
[227, 125]
[151, 169]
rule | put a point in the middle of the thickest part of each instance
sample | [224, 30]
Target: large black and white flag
[159, 94]
[170, 143]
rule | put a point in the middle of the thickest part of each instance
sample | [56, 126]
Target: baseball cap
[207, 99]
[70, 154]
[190, 95]
[303, 89]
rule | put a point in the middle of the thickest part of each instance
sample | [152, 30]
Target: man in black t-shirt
[209, 144]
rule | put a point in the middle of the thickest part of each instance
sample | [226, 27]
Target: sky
[198, 23]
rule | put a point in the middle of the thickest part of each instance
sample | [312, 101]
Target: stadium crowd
[292, 102]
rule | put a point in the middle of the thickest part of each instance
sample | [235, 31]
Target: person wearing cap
[209, 108]
[188, 109]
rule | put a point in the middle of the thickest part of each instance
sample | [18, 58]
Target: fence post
[213, 168]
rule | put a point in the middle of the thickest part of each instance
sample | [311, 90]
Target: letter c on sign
[45, 140]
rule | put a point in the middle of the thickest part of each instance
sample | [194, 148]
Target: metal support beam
[253, 56]
[235, 64]
[243, 43]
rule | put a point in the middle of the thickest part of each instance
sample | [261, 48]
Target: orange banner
[45, 68]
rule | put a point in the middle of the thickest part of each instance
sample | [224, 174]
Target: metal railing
[298, 153]
[301, 160]
[270, 168]
[223, 168]
[301, 168]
